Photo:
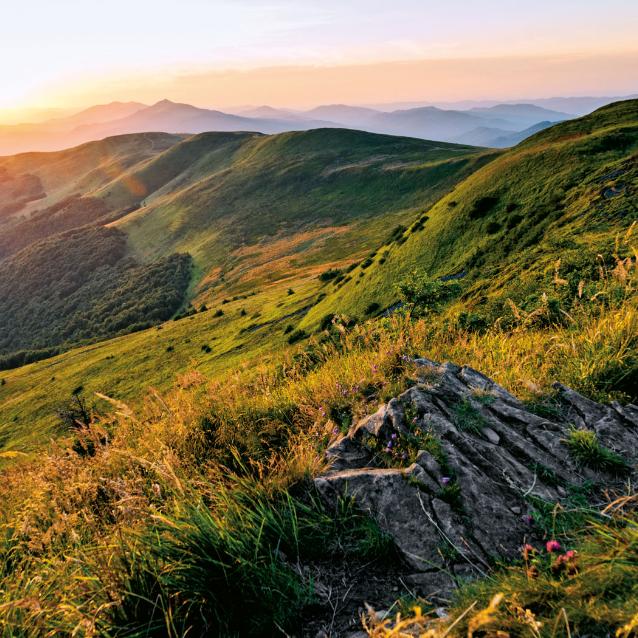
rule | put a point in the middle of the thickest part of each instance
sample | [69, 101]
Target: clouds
[50, 45]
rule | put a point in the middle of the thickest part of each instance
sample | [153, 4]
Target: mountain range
[497, 125]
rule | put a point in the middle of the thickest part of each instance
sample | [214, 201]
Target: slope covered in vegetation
[192, 512]
[81, 286]
[247, 207]
[243, 188]
[564, 194]
[196, 507]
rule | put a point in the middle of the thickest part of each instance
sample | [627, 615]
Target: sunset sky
[223, 53]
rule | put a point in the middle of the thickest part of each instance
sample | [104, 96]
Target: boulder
[453, 468]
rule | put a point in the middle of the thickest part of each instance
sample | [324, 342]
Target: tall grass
[589, 589]
[179, 517]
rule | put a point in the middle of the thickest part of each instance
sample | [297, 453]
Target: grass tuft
[585, 449]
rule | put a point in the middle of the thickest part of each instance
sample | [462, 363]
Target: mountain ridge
[117, 118]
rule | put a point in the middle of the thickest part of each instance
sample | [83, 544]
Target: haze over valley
[493, 125]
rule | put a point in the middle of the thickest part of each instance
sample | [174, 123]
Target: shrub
[472, 322]
[326, 321]
[329, 274]
[397, 233]
[425, 295]
[482, 206]
[372, 308]
[297, 335]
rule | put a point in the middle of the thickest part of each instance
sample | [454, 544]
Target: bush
[297, 335]
[482, 206]
[372, 308]
[397, 233]
[326, 321]
[329, 274]
[423, 295]
[472, 322]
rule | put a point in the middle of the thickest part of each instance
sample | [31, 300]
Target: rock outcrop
[455, 469]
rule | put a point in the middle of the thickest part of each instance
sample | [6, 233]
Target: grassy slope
[551, 198]
[124, 368]
[137, 520]
[241, 190]
[88, 167]
[263, 214]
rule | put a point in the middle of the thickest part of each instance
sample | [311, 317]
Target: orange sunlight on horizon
[375, 83]
[223, 53]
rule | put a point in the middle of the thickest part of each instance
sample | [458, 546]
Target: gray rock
[451, 512]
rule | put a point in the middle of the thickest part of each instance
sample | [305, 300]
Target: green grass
[468, 418]
[260, 214]
[124, 368]
[584, 447]
[228, 566]
[548, 198]
[239, 189]
[191, 508]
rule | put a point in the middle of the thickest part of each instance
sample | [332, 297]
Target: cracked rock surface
[452, 467]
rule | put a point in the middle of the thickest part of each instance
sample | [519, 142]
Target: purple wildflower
[445, 480]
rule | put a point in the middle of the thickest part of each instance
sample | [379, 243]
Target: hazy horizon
[285, 54]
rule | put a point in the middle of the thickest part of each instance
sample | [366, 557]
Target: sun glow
[219, 53]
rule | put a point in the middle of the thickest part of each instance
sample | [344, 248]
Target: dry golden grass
[70, 519]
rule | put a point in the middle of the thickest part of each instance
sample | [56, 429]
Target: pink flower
[552, 546]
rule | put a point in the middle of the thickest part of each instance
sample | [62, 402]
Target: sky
[223, 53]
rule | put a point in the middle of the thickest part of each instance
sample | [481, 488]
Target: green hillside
[240, 192]
[263, 216]
[47, 178]
[161, 482]
[248, 208]
[566, 193]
